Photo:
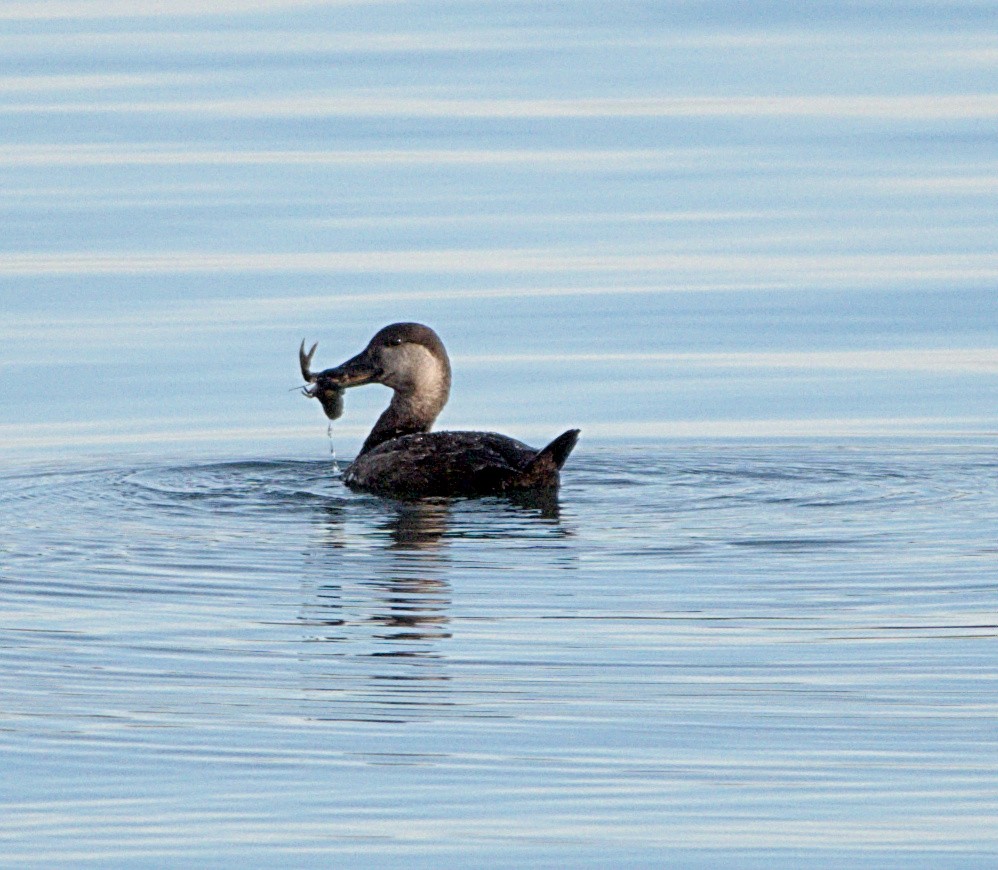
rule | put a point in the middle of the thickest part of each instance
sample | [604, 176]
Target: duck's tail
[557, 451]
[543, 469]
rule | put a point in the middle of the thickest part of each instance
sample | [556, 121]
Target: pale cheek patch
[416, 367]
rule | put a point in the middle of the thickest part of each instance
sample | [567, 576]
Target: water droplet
[332, 450]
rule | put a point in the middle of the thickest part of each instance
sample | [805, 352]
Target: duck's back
[457, 464]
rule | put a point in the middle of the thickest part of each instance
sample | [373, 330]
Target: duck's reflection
[399, 582]
[417, 526]
[378, 602]
[377, 612]
[413, 600]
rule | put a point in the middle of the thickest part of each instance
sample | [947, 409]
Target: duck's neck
[407, 414]
[421, 381]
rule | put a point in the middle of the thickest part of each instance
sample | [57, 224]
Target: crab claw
[305, 360]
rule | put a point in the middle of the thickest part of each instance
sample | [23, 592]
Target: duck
[401, 458]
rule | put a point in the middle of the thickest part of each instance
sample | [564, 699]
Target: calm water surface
[750, 249]
[736, 653]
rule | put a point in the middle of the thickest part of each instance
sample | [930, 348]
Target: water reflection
[378, 603]
[417, 526]
[412, 598]
[379, 615]
[398, 585]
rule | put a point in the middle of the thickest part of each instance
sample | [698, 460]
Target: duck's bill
[355, 372]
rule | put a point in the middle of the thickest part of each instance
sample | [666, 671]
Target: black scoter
[401, 458]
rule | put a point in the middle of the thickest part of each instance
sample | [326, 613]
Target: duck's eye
[394, 342]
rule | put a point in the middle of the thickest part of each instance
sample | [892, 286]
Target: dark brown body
[458, 464]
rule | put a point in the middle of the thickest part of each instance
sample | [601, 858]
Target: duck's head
[408, 357]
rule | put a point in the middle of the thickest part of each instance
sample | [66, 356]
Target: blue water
[728, 654]
[748, 248]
